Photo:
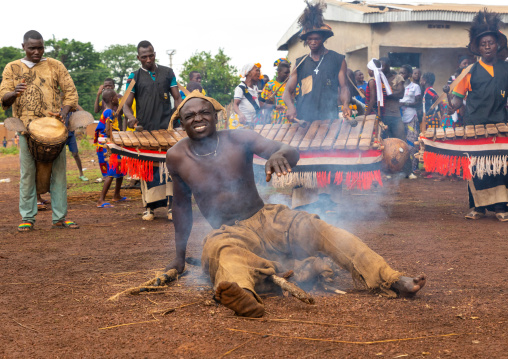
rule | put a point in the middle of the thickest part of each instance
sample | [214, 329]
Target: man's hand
[101, 88]
[132, 122]
[278, 164]
[291, 114]
[20, 88]
[178, 264]
[346, 111]
[242, 118]
[56, 115]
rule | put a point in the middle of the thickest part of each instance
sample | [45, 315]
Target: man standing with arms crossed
[154, 86]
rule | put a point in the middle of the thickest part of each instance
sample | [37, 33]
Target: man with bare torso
[252, 240]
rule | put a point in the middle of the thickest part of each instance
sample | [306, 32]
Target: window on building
[398, 59]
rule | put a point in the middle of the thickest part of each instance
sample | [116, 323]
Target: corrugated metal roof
[371, 14]
[375, 8]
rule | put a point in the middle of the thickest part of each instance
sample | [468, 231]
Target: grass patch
[86, 144]
[11, 150]
[77, 186]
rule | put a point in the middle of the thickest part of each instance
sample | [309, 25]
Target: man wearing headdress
[486, 87]
[32, 87]
[250, 240]
[154, 86]
[319, 75]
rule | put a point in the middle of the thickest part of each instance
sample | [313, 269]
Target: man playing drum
[252, 240]
[32, 87]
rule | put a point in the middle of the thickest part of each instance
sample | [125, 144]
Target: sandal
[83, 178]
[65, 224]
[41, 206]
[26, 227]
[170, 214]
[105, 205]
[148, 215]
[474, 214]
[502, 216]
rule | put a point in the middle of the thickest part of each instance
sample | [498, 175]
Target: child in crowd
[431, 118]
[110, 100]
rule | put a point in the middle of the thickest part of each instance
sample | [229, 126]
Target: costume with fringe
[483, 161]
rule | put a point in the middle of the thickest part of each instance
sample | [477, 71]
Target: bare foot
[408, 287]
[240, 300]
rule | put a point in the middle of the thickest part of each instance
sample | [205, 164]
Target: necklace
[213, 152]
[316, 70]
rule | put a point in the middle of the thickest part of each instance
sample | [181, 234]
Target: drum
[395, 154]
[46, 139]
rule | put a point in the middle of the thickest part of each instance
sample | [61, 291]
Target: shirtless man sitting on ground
[251, 240]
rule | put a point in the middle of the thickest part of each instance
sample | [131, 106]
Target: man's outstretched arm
[280, 157]
[182, 219]
[345, 95]
[287, 97]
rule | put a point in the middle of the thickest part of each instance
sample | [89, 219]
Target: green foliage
[120, 60]
[84, 65]
[11, 150]
[8, 54]
[219, 78]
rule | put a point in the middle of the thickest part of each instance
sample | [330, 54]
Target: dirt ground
[54, 284]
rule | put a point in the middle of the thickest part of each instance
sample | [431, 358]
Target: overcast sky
[247, 30]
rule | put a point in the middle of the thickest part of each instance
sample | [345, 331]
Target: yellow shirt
[44, 82]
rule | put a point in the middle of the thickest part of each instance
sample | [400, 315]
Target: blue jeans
[28, 192]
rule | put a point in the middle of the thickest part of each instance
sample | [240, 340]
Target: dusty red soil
[54, 285]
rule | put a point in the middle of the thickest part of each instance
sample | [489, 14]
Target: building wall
[9, 135]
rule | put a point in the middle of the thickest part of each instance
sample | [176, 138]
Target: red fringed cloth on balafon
[319, 169]
[474, 157]
[137, 162]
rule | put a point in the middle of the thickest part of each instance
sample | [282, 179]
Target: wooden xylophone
[324, 135]
[141, 151]
[470, 151]
[331, 152]
[149, 140]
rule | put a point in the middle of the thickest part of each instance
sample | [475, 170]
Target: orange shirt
[464, 86]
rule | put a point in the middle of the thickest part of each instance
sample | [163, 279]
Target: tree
[84, 65]
[8, 54]
[219, 78]
[120, 60]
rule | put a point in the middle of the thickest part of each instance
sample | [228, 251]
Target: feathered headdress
[485, 23]
[312, 20]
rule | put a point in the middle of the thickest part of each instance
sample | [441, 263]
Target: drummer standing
[154, 86]
[32, 87]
